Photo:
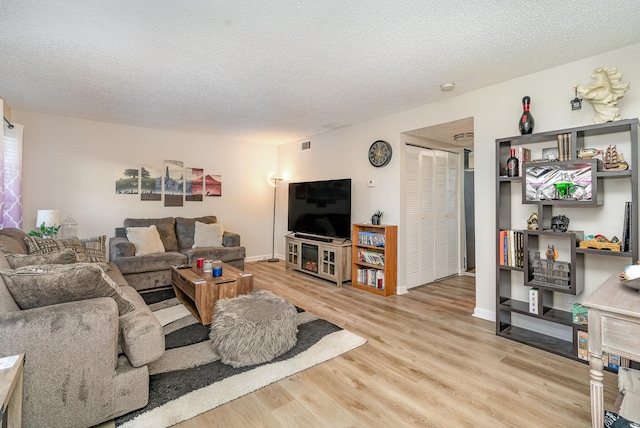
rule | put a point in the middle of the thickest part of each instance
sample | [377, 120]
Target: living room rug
[189, 379]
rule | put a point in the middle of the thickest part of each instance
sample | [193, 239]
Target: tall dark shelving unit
[506, 306]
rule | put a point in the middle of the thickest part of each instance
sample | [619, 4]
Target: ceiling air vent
[305, 145]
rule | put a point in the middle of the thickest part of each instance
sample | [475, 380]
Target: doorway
[431, 215]
[436, 250]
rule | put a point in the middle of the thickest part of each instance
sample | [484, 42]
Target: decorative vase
[375, 219]
[526, 120]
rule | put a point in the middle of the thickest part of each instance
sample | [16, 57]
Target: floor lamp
[274, 182]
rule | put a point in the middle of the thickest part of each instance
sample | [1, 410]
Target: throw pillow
[166, 228]
[37, 245]
[63, 257]
[95, 249]
[207, 235]
[145, 239]
[614, 420]
[4, 263]
[630, 406]
[43, 285]
[12, 241]
[185, 228]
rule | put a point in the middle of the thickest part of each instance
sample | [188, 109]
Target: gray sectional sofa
[177, 235]
[85, 360]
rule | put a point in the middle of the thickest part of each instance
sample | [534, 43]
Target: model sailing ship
[614, 161]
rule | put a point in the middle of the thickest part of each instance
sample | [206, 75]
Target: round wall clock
[380, 153]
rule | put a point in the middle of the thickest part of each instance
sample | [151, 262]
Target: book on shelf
[371, 257]
[580, 314]
[583, 345]
[512, 248]
[371, 277]
[374, 239]
[626, 231]
[524, 155]
[614, 361]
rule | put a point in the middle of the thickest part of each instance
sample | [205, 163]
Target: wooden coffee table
[199, 291]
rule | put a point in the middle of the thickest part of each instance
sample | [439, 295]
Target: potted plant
[45, 232]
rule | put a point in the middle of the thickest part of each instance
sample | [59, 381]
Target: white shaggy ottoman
[253, 328]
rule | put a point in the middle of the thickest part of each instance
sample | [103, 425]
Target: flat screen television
[321, 208]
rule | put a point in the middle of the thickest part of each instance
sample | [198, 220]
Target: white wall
[496, 110]
[71, 165]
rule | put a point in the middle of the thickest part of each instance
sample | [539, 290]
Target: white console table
[614, 322]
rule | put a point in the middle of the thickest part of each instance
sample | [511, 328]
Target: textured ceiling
[283, 71]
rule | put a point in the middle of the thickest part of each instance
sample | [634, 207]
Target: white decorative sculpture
[603, 94]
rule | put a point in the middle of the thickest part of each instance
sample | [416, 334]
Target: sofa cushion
[146, 240]
[166, 228]
[150, 262]
[4, 263]
[43, 285]
[185, 229]
[141, 335]
[95, 248]
[207, 235]
[63, 257]
[12, 241]
[37, 245]
[7, 304]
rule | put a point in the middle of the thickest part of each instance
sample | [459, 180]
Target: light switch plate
[371, 183]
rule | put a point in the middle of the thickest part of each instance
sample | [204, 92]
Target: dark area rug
[207, 383]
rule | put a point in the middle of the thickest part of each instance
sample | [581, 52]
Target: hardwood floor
[427, 363]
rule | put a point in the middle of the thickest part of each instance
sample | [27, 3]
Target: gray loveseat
[84, 363]
[177, 235]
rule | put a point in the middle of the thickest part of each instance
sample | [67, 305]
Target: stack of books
[512, 248]
[371, 277]
[371, 257]
[374, 239]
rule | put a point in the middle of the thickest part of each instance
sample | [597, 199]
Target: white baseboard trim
[262, 258]
[484, 314]
[402, 289]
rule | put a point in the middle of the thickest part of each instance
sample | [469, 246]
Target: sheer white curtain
[11, 177]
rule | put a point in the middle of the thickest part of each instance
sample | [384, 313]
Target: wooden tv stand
[326, 258]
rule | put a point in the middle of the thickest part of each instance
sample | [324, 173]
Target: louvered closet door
[419, 216]
[431, 215]
[446, 214]
[412, 216]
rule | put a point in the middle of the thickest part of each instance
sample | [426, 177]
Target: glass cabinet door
[292, 253]
[329, 262]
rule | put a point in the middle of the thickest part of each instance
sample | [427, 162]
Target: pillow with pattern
[95, 248]
[43, 285]
[37, 245]
[614, 420]
[63, 257]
